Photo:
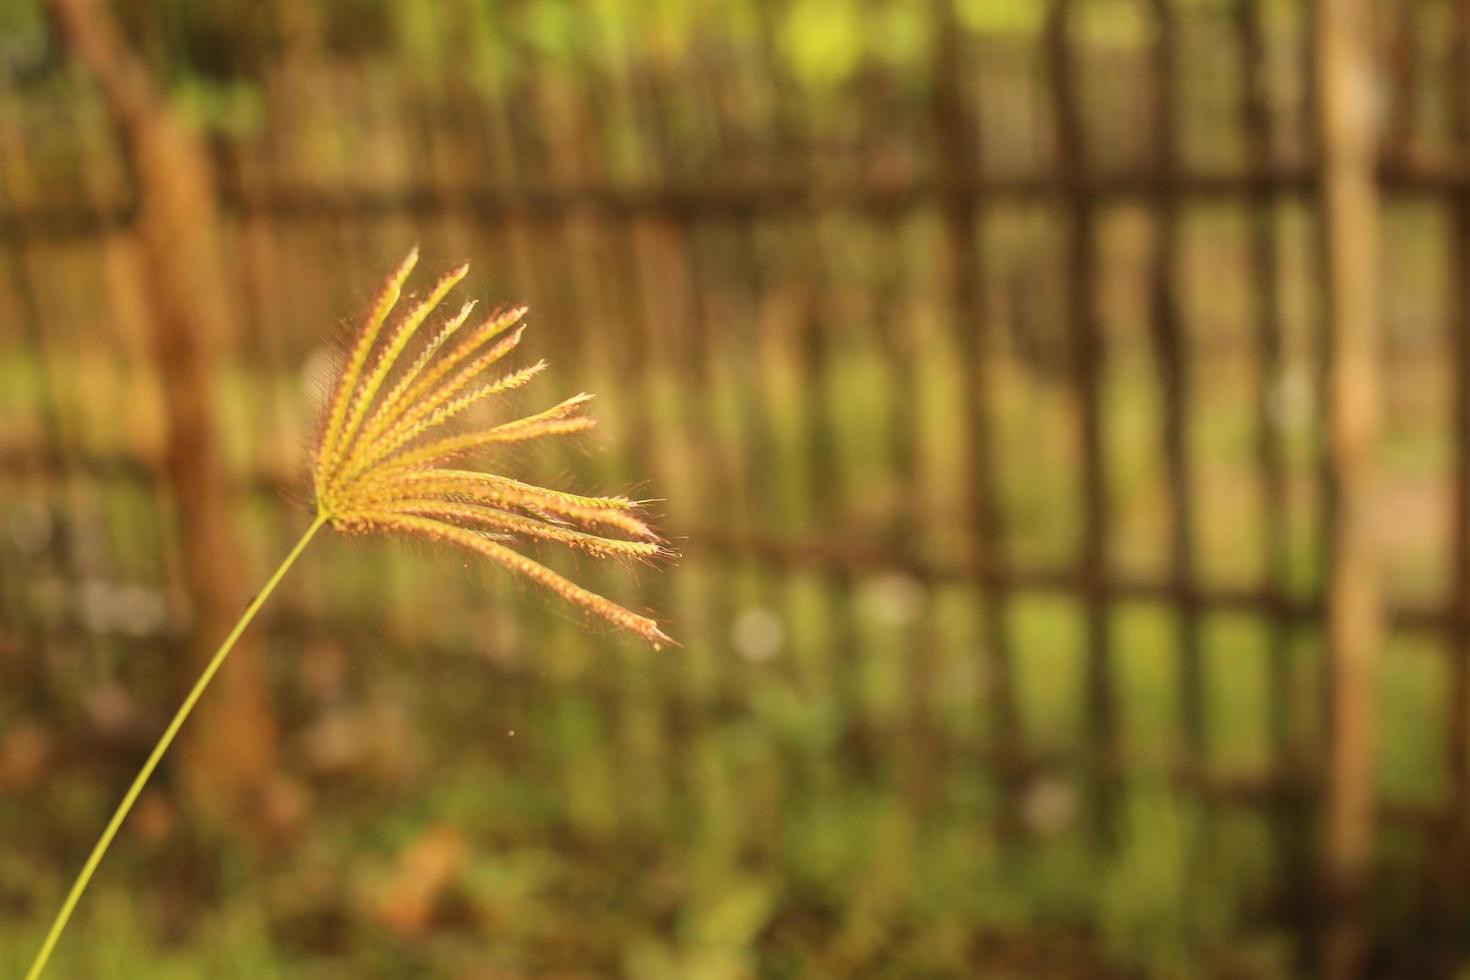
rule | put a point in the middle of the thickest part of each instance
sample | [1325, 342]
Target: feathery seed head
[383, 462]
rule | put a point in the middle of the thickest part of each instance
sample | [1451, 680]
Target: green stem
[103, 842]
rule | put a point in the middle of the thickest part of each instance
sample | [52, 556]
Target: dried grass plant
[389, 462]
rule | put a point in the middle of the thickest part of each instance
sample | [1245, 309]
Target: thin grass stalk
[156, 756]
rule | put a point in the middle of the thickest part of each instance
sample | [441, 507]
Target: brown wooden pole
[1343, 62]
[229, 749]
[1457, 843]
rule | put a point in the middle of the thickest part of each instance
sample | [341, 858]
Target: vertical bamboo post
[1349, 227]
[1291, 836]
[1088, 352]
[959, 140]
[795, 125]
[1171, 349]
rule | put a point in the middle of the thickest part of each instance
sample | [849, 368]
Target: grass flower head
[390, 460]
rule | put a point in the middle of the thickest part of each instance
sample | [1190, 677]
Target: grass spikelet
[500, 491]
[558, 420]
[367, 336]
[380, 465]
[391, 400]
[504, 520]
[447, 533]
[441, 406]
[411, 387]
[364, 394]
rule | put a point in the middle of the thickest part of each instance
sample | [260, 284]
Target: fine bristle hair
[386, 460]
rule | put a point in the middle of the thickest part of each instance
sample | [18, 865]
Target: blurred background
[1063, 410]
